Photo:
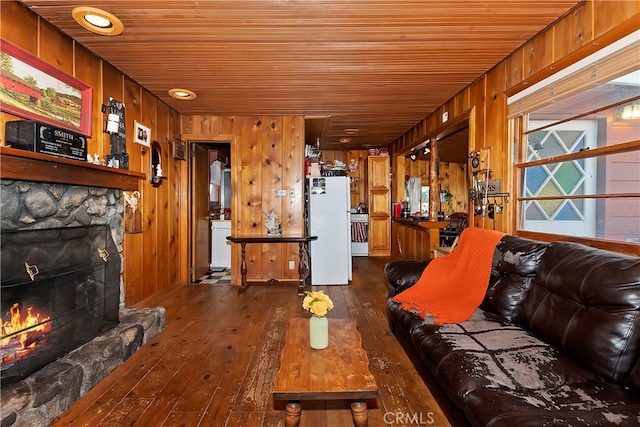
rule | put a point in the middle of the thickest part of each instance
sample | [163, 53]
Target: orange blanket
[452, 287]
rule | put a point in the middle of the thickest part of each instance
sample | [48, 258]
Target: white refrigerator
[329, 210]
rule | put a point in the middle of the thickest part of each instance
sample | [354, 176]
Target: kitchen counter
[421, 224]
[415, 239]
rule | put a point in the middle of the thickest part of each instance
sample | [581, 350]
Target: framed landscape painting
[32, 89]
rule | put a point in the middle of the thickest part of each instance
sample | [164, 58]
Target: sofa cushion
[586, 301]
[588, 404]
[515, 261]
[402, 274]
[483, 352]
[517, 255]
[401, 322]
[633, 380]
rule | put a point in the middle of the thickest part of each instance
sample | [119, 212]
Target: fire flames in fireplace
[21, 333]
[59, 289]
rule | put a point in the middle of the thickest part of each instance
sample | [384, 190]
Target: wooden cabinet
[379, 188]
[415, 240]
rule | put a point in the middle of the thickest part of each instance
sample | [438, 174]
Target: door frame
[232, 140]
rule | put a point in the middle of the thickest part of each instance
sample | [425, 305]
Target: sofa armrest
[402, 274]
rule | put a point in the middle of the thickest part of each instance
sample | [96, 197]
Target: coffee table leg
[359, 413]
[292, 417]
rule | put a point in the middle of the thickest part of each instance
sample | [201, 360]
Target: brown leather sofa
[556, 341]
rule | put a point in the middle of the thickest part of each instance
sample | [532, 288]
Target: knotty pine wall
[155, 258]
[267, 154]
[590, 25]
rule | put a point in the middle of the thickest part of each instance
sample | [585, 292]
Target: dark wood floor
[214, 363]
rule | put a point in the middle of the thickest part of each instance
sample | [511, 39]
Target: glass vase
[318, 332]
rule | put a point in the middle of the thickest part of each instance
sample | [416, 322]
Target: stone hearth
[41, 397]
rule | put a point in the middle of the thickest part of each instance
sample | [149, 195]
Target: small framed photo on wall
[142, 134]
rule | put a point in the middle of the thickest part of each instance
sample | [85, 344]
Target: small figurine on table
[273, 224]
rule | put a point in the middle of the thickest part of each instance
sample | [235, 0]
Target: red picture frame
[32, 89]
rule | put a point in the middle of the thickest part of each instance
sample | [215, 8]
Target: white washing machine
[220, 246]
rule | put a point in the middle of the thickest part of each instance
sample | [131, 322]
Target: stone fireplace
[61, 261]
[59, 289]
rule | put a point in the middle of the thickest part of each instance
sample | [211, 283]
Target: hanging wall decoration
[115, 113]
[142, 134]
[132, 215]
[178, 149]
[35, 90]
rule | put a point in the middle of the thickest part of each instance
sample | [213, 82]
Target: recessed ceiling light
[351, 131]
[97, 21]
[182, 94]
[344, 140]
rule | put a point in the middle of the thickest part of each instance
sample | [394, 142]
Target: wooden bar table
[301, 240]
[340, 371]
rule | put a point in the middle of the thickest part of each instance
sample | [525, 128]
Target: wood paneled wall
[589, 26]
[156, 257]
[267, 155]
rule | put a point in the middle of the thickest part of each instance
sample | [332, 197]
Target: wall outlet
[292, 193]
[281, 193]
[292, 265]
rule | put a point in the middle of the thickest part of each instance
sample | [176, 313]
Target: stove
[359, 234]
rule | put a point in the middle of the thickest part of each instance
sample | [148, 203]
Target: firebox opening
[60, 288]
[22, 331]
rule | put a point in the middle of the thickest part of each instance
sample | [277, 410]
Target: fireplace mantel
[29, 166]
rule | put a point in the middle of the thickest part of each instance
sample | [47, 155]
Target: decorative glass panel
[574, 126]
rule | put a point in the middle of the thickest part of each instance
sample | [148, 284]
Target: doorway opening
[211, 211]
[451, 171]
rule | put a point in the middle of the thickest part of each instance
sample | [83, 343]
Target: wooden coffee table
[340, 371]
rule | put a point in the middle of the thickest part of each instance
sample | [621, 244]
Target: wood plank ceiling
[379, 66]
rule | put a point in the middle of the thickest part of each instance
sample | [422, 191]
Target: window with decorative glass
[578, 148]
